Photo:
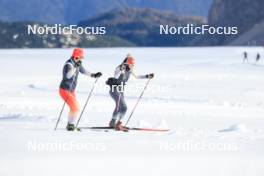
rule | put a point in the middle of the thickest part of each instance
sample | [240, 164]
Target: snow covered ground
[213, 104]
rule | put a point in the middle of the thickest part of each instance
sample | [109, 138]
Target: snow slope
[212, 103]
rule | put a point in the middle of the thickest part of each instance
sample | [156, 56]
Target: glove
[150, 76]
[97, 75]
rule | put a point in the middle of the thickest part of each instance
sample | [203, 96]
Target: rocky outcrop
[245, 14]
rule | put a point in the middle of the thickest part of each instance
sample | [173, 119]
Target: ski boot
[71, 127]
[120, 127]
[112, 123]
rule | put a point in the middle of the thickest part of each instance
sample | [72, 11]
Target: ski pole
[63, 106]
[60, 115]
[133, 110]
[86, 102]
[118, 103]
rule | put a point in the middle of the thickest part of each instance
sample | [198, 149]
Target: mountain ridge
[141, 26]
[72, 11]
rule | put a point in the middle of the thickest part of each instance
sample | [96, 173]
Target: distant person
[245, 58]
[121, 76]
[257, 58]
[71, 70]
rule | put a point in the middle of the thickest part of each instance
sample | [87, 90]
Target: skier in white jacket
[122, 75]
